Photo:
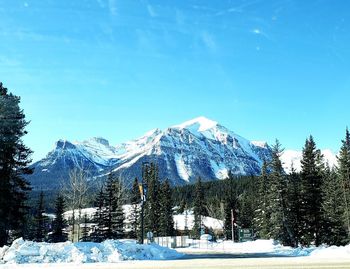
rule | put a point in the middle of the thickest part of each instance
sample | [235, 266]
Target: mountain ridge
[198, 147]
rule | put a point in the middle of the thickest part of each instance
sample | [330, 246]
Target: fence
[171, 241]
[183, 242]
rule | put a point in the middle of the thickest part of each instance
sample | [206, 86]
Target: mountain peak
[99, 140]
[198, 124]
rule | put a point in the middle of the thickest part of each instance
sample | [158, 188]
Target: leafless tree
[75, 192]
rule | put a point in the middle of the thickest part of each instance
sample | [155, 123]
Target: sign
[245, 235]
[142, 192]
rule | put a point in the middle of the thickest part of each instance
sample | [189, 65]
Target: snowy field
[267, 247]
[126, 251]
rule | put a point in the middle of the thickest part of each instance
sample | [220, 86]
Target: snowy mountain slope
[199, 147]
[294, 157]
[93, 155]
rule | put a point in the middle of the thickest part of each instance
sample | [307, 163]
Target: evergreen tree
[343, 172]
[135, 209]
[86, 229]
[110, 202]
[152, 206]
[230, 204]
[280, 229]
[119, 213]
[293, 205]
[40, 220]
[198, 209]
[59, 223]
[263, 211]
[99, 218]
[333, 230]
[14, 161]
[166, 220]
[311, 193]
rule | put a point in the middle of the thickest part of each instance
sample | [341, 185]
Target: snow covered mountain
[199, 147]
[294, 157]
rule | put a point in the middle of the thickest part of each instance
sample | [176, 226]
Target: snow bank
[333, 251]
[22, 251]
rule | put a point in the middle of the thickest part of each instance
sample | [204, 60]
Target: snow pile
[22, 251]
[333, 251]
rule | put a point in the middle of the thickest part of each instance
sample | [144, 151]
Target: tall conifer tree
[198, 208]
[263, 212]
[230, 204]
[344, 179]
[40, 220]
[135, 200]
[280, 229]
[14, 161]
[294, 205]
[152, 206]
[166, 210]
[333, 229]
[59, 223]
[311, 193]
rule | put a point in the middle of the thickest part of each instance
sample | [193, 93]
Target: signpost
[245, 235]
[232, 226]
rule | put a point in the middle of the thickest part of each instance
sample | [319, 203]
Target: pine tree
[119, 213]
[333, 230]
[40, 220]
[14, 161]
[294, 205]
[99, 220]
[86, 229]
[135, 200]
[110, 202]
[166, 220]
[152, 206]
[59, 223]
[198, 209]
[343, 172]
[263, 212]
[311, 193]
[230, 204]
[280, 229]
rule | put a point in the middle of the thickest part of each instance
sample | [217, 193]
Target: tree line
[301, 208]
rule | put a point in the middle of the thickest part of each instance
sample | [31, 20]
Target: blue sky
[118, 68]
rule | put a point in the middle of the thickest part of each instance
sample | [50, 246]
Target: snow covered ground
[267, 247]
[112, 251]
[109, 251]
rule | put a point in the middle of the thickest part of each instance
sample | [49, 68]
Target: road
[213, 261]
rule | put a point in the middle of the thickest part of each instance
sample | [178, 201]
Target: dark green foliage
[59, 223]
[109, 217]
[198, 208]
[85, 231]
[333, 230]
[135, 201]
[263, 211]
[230, 204]
[14, 160]
[344, 180]
[98, 234]
[152, 206]
[294, 205]
[166, 221]
[40, 220]
[311, 193]
[277, 196]
[119, 213]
